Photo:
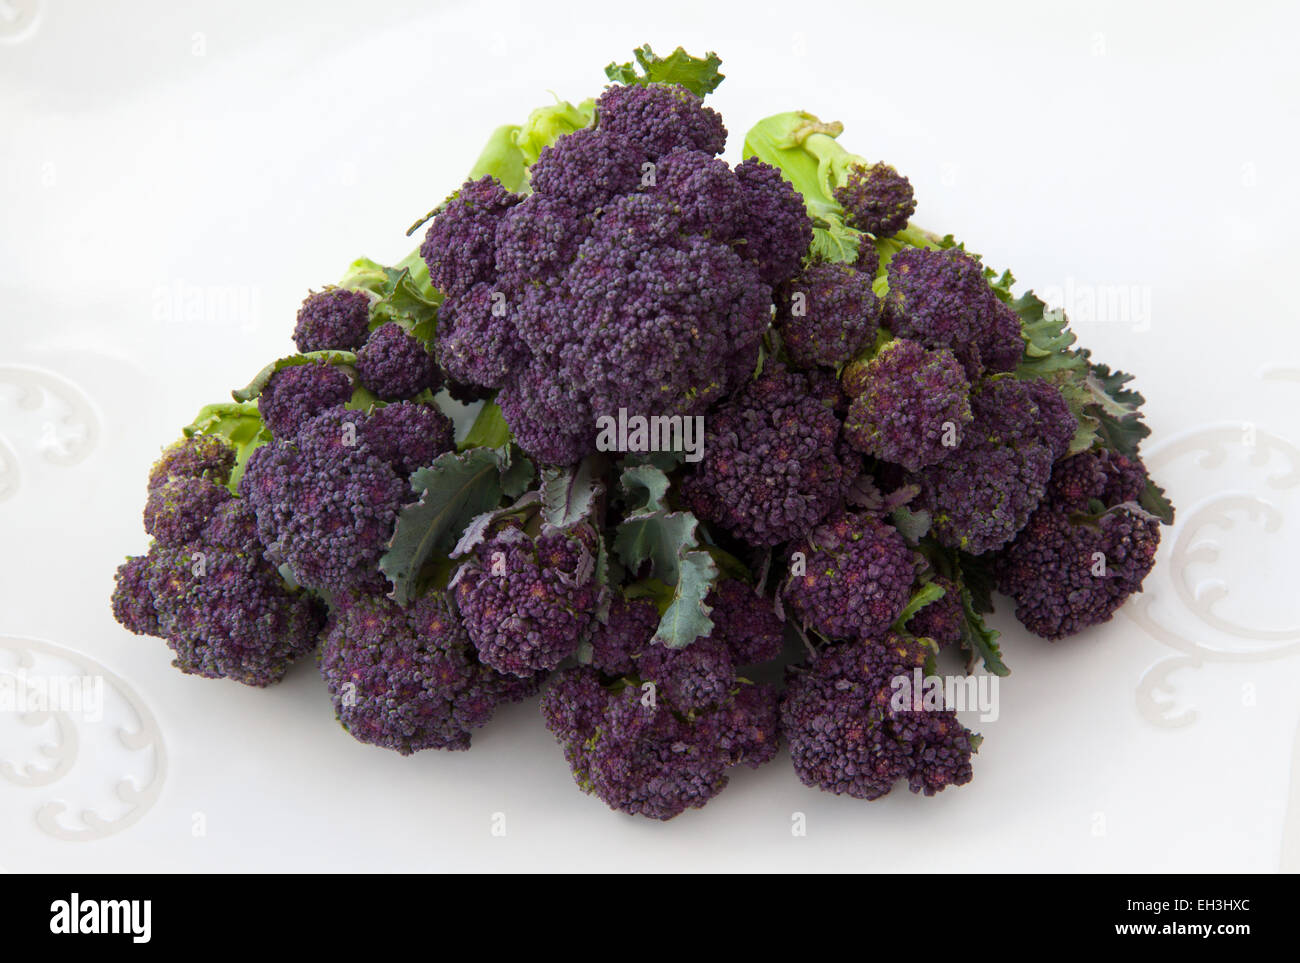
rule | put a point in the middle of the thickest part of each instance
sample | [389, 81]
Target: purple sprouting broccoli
[528, 600]
[1085, 550]
[868, 259]
[614, 285]
[408, 435]
[628, 629]
[327, 499]
[408, 678]
[336, 319]
[394, 365]
[178, 509]
[876, 199]
[459, 246]
[847, 735]
[941, 299]
[773, 467]
[855, 578]
[703, 191]
[537, 238]
[660, 117]
[652, 731]
[777, 231]
[204, 585]
[200, 456]
[983, 493]
[746, 621]
[942, 619]
[910, 404]
[827, 315]
[587, 169]
[298, 392]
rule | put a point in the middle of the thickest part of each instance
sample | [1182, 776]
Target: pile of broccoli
[424, 497]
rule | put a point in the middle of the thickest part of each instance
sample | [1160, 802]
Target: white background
[175, 177]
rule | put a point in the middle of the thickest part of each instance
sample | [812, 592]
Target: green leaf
[254, 387]
[569, 494]
[687, 617]
[456, 488]
[978, 638]
[503, 159]
[1155, 501]
[489, 429]
[912, 525]
[517, 472]
[669, 541]
[240, 423]
[1117, 409]
[923, 596]
[701, 77]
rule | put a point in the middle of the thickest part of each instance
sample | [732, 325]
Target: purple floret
[201, 456]
[876, 199]
[527, 601]
[408, 435]
[326, 503]
[627, 631]
[912, 406]
[132, 600]
[856, 578]
[337, 319]
[298, 392]
[746, 621]
[846, 736]
[772, 468]
[537, 238]
[943, 618]
[827, 315]
[459, 245]
[660, 117]
[587, 168]
[1081, 554]
[868, 259]
[704, 190]
[407, 678]
[395, 365]
[660, 740]
[477, 339]
[546, 417]
[177, 511]
[229, 616]
[777, 231]
[941, 299]
[983, 493]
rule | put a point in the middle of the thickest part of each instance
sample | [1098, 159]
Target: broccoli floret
[776, 232]
[460, 243]
[408, 435]
[527, 600]
[827, 315]
[911, 404]
[537, 238]
[327, 499]
[942, 619]
[659, 738]
[204, 585]
[746, 621]
[703, 190]
[337, 319]
[845, 737]
[856, 577]
[395, 365]
[587, 168]
[407, 678]
[1085, 550]
[876, 199]
[296, 393]
[478, 343]
[630, 626]
[660, 117]
[200, 456]
[941, 299]
[772, 466]
[982, 493]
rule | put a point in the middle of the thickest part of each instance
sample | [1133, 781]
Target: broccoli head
[408, 678]
[298, 392]
[1085, 550]
[876, 199]
[336, 319]
[394, 365]
[856, 577]
[827, 315]
[846, 736]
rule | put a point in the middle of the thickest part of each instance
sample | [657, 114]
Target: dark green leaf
[569, 494]
[489, 429]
